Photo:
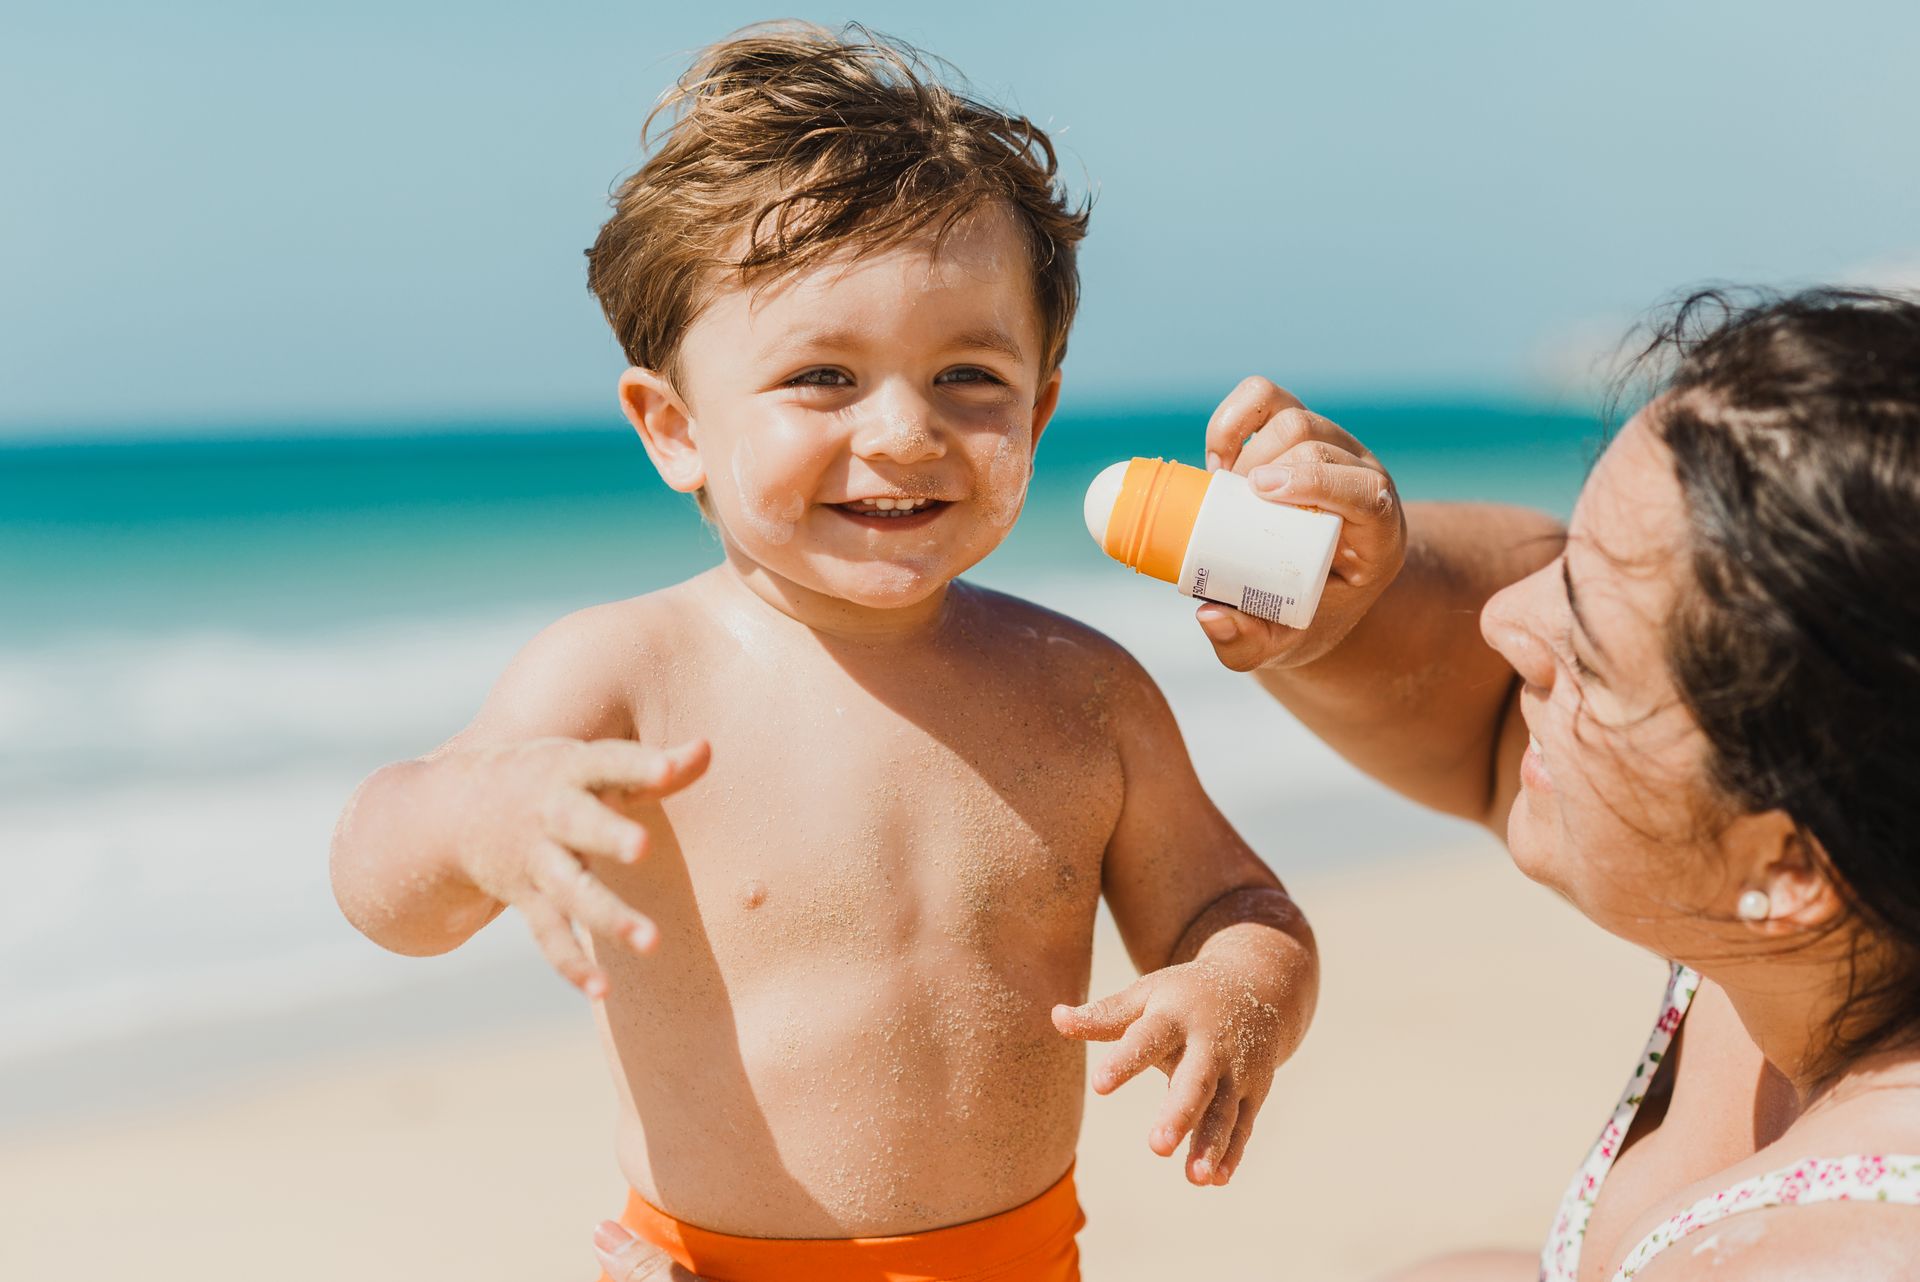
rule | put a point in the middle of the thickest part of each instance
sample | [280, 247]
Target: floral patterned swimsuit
[1818, 1179]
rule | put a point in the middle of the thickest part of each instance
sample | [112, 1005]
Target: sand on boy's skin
[1473, 1033]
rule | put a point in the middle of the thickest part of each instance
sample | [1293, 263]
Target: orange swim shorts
[1033, 1242]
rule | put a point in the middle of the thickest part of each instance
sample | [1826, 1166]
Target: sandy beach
[1473, 1032]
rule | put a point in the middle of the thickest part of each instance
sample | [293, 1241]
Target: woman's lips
[1533, 768]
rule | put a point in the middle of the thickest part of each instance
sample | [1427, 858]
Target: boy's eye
[968, 374]
[822, 377]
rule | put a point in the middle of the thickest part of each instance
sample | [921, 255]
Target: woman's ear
[1044, 405]
[1786, 866]
[666, 427]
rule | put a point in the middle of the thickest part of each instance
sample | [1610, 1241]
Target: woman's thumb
[1241, 641]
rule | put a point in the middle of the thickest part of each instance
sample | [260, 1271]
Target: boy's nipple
[753, 893]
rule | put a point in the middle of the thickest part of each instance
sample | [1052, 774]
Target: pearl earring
[1754, 906]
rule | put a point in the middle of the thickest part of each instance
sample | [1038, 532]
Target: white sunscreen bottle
[1213, 537]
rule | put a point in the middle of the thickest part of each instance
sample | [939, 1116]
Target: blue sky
[250, 216]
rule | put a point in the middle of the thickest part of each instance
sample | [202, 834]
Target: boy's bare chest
[929, 818]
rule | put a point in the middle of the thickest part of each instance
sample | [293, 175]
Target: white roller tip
[1101, 496]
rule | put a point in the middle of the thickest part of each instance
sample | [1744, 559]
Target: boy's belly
[835, 1098]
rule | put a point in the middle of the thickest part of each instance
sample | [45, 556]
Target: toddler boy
[834, 825]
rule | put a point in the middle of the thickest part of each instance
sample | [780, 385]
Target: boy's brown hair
[788, 143]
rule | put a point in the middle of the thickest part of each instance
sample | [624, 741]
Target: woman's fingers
[1192, 1087]
[1318, 478]
[625, 1258]
[1241, 641]
[1211, 1136]
[1297, 429]
[1150, 1041]
[1246, 410]
[563, 952]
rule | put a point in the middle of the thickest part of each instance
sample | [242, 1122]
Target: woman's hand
[625, 1258]
[1289, 454]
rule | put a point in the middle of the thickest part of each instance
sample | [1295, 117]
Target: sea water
[205, 644]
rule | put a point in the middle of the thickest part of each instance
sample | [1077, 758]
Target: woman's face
[1611, 786]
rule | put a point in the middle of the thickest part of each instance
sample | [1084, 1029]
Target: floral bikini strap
[1859, 1178]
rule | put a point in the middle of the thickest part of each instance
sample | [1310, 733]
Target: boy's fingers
[563, 951]
[585, 898]
[635, 768]
[1242, 1129]
[583, 823]
[1104, 1020]
[1210, 1137]
[1147, 1043]
[1244, 412]
[1192, 1086]
[625, 1258]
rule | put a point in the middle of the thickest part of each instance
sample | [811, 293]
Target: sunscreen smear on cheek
[1213, 537]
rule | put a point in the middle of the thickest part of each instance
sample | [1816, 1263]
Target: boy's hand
[537, 818]
[1291, 455]
[1204, 1026]
[625, 1258]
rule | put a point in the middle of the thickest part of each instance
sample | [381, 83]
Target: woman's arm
[1393, 673]
[1414, 696]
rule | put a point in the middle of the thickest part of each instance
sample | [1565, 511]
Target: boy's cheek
[1004, 480]
[765, 481]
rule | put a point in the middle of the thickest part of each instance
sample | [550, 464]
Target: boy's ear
[665, 426]
[1044, 405]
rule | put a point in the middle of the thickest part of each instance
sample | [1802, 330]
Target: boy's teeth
[873, 507]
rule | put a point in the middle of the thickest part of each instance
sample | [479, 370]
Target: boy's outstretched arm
[511, 811]
[1229, 971]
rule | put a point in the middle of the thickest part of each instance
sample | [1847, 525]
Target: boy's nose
[900, 431]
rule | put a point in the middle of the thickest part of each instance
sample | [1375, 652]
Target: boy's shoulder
[581, 674]
[616, 634]
[1056, 644]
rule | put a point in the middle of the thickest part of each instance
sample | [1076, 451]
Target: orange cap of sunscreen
[1212, 537]
[1142, 513]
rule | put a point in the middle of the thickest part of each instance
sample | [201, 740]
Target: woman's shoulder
[1837, 1196]
[1850, 1241]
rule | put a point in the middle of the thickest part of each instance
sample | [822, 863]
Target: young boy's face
[865, 429]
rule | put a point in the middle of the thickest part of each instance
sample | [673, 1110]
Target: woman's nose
[1512, 626]
[900, 430]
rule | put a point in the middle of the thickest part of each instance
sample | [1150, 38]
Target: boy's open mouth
[891, 514]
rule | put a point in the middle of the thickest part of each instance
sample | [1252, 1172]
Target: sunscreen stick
[1213, 537]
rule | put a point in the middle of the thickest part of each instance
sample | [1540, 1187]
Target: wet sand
[1473, 1033]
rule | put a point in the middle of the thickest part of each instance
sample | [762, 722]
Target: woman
[1695, 713]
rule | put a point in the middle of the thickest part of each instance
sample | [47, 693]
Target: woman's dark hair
[1794, 425]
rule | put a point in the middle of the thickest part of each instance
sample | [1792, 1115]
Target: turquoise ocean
[206, 642]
